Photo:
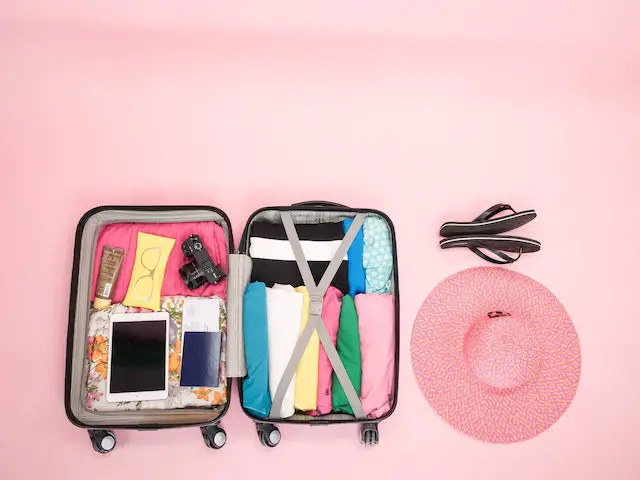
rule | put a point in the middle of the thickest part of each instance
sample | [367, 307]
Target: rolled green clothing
[348, 346]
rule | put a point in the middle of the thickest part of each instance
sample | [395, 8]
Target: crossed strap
[316, 294]
[503, 258]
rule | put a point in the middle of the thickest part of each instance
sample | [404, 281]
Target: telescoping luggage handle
[316, 293]
[319, 203]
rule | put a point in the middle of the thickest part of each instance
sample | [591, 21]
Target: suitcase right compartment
[309, 213]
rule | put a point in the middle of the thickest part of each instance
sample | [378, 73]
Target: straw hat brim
[469, 405]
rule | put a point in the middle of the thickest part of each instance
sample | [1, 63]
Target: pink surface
[376, 319]
[125, 236]
[495, 354]
[450, 106]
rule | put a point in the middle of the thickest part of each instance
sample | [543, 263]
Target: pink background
[427, 110]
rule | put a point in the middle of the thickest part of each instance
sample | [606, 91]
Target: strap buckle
[315, 304]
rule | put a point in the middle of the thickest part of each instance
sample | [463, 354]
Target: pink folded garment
[125, 235]
[376, 321]
[331, 304]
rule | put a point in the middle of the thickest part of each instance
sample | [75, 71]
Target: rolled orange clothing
[376, 321]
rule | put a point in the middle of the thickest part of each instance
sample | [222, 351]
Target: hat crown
[501, 350]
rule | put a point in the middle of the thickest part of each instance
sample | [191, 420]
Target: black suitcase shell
[100, 432]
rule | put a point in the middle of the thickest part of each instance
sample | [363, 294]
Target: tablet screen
[138, 356]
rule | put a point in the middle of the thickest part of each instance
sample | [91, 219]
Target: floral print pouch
[179, 397]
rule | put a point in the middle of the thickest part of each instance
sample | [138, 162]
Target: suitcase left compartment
[147, 335]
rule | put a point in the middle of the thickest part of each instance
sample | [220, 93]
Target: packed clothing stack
[357, 312]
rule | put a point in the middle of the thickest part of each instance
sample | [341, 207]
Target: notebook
[201, 359]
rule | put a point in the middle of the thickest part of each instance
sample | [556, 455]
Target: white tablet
[138, 357]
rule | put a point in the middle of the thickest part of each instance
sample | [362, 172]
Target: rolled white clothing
[273, 249]
[284, 313]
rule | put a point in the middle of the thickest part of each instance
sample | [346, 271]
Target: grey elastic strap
[237, 279]
[316, 293]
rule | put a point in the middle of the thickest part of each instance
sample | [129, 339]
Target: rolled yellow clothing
[306, 388]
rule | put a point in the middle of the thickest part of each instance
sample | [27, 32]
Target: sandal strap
[493, 211]
[504, 259]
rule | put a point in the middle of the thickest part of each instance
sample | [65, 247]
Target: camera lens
[192, 276]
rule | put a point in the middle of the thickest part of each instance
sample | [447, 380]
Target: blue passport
[200, 359]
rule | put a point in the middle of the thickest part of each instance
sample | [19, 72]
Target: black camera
[202, 269]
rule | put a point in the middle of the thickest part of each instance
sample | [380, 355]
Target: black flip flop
[495, 244]
[485, 224]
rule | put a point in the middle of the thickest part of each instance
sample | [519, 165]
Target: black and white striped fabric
[273, 259]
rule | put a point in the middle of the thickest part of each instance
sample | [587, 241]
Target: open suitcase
[83, 394]
[316, 282]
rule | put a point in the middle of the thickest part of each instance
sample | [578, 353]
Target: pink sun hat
[495, 354]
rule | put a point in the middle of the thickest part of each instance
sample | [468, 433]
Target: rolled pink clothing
[125, 236]
[331, 304]
[376, 320]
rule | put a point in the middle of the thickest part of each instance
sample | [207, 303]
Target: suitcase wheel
[214, 436]
[103, 441]
[369, 434]
[268, 434]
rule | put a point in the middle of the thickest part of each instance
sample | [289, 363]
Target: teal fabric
[256, 397]
[377, 256]
[357, 281]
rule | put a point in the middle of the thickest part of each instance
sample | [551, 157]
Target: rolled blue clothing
[377, 254]
[255, 387]
[357, 278]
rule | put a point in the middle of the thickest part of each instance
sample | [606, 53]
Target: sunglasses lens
[150, 258]
[144, 287]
